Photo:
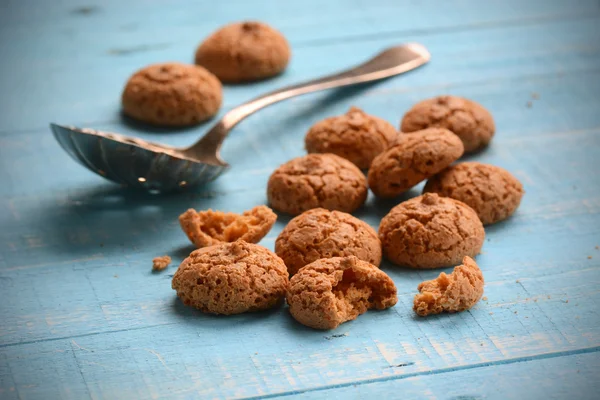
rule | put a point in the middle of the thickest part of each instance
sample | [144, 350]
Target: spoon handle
[390, 62]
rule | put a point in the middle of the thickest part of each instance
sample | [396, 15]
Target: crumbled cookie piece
[456, 292]
[493, 192]
[430, 231]
[231, 278]
[244, 51]
[470, 121]
[317, 180]
[160, 263]
[412, 159]
[172, 94]
[329, 292]
[208, 228]
[320, 233]
[355, 136]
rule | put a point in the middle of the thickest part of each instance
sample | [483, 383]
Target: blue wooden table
[81, 313]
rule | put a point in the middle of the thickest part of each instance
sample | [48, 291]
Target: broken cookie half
[329, 292]
[208, 228]
[456, 292]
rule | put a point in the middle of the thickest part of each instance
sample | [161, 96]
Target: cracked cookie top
[493, 192]
[172, 94]
[430, 231]
[244, 51]
[451, 293]
[207, 228]
[329, 292]
[355, 136]
[319, 233]
[468, 120]
[412, 159]
[317, 180]
[231, 278]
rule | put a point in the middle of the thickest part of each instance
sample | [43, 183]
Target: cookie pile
[176, 94]
[333, 257]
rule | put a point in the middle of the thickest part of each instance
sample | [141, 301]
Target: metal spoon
[160, 168]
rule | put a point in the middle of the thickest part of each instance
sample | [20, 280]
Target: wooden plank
[498, 53]
[538, 379]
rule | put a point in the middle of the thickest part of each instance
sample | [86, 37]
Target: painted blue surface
[82, 315]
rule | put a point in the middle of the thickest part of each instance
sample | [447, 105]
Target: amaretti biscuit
[493, 192]
[430, 231]
[329, 292]
[451, 293]
[172, 94]
[468, 120]
[244, 51]
[355, 136]
[412, 159]
[317, 180]
[231, 278]
[320, 233]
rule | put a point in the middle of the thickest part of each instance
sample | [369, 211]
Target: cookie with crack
[430, 231]
[451, 293]
[172, 94]
[207, 228]
[355, 136]
[231, 278]
[412, 159]
[329, 292]
[317, 180]
[320, 233]
[244, 51]
[493, 192]
[468, 120]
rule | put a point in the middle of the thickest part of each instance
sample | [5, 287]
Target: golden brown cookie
[244, 51]
[430, 231]
[470, 121]
[355, 136]
[329, 292]
[319, 233]
[493, 192]
[231, 278]
[412, 159]
[317, 180]
[172, 94]
[160, 263]
[207, 228]
[456, 292]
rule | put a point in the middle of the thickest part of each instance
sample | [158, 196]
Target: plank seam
[428, 373]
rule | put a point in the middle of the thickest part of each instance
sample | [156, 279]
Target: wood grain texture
[82, 314]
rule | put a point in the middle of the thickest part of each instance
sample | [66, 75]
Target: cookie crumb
[597, 247]
[160, 263]
[484, 298]
[458, 291]
[589, 257]
[535, 96]
[491, 313]
[529, 104]
[517, 281]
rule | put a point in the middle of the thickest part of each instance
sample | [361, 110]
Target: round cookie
[172, 94]
[430, 231]
[470, 121]
[493, 192]
[319, 233]
[355, 136]
[329, 292]
[231, 278]
[412, 159]
[317, 180]
[244, 51]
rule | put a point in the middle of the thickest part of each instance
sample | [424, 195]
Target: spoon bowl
[159, 168]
